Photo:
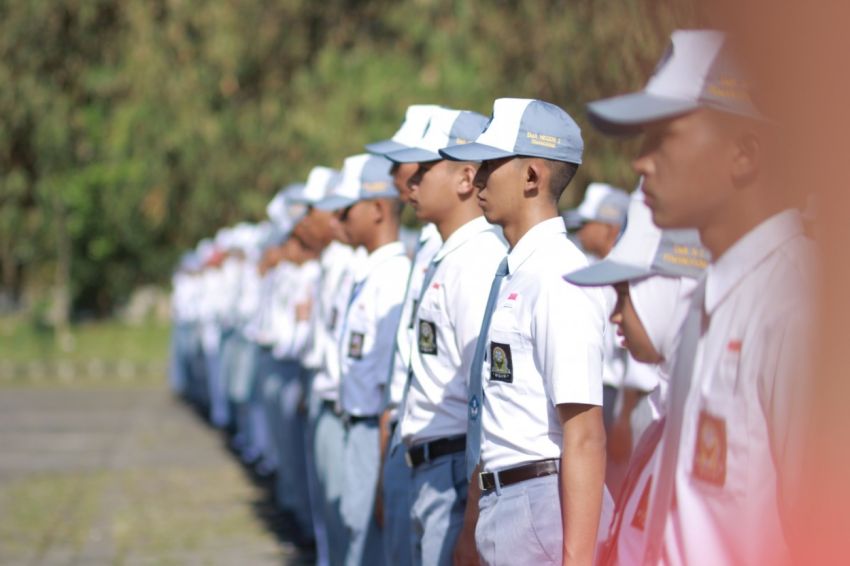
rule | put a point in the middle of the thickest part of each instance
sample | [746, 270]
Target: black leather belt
[350, 420]
[329, 405]
[429, 451]
[488, 480]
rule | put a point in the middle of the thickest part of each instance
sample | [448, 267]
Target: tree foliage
[130, 129]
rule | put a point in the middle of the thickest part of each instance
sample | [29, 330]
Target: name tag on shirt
[355, 345]
[427, 337]
[501, 363]
[710, 452]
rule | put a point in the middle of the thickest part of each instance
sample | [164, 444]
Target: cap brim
[630, 113]
[573, 220]
[304, 201]
[413, 155]
[606, 272]
[474, 152]
[334, 202]
[384, 147]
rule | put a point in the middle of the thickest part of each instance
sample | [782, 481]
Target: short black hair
[560, 175]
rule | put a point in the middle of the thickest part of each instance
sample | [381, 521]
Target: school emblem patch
[355, 345]
[501, 364]
[710, 451]
[427, 337]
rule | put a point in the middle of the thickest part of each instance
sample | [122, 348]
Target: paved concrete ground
[125, 475]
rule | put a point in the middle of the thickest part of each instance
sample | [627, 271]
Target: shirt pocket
[508, 359]
[430, 322]
[719, 461]
[360, 332]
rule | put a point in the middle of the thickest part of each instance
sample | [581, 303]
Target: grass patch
[22, 341]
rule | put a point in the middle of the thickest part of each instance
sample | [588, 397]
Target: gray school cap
[446, 128]
[524, 127]
[645, 250]
[411, 131]
[602, 203]
[696, 71]
[319, 182]
[364, 177]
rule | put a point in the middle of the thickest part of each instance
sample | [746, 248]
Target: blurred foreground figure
[726, 483]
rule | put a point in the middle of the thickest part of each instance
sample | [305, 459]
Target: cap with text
[416, 120]
[364, 177]
[524, 127]
[696, 71]
[446, 128]
[645, 250]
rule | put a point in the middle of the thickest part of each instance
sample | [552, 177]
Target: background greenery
[129, 129]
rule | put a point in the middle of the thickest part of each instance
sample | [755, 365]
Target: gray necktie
[680, 384]
[476, 389]
[391, 373]
[429, 275]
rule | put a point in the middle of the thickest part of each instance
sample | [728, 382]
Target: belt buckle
[407, 459]
[481, 480]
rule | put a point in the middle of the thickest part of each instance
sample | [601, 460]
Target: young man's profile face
[401, 175]
[685, 164]
[430, 190]
[499, 183]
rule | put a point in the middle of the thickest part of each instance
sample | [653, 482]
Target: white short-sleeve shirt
[369, 325]
[429, 242]
[291, 335]
[544, 348]
[739, 454]
[447, 326]
[338, 264]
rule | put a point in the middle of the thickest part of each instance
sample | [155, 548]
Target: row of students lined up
[449, 408]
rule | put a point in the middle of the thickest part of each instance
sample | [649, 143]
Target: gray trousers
[397, 479]
[521, 523]
[439, 500]
[361, 460]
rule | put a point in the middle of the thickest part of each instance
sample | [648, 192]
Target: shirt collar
[427, 232]
[532, 240]
[724, 274]
[463, 235]
[377, 257]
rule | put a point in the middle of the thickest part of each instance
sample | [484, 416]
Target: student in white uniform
[597, 223]
[368, 211]
[325, 433]
[654, 274]
[725, 484]
[447, 320]
[393, 493]
[536, 439]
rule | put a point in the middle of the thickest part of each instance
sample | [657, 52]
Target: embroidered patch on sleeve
[427, 337]
[710, 451]
[355, 345]
[501, 364]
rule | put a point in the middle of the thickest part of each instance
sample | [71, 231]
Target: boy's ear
[379, 212]
[466, 185]
[534, 174]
